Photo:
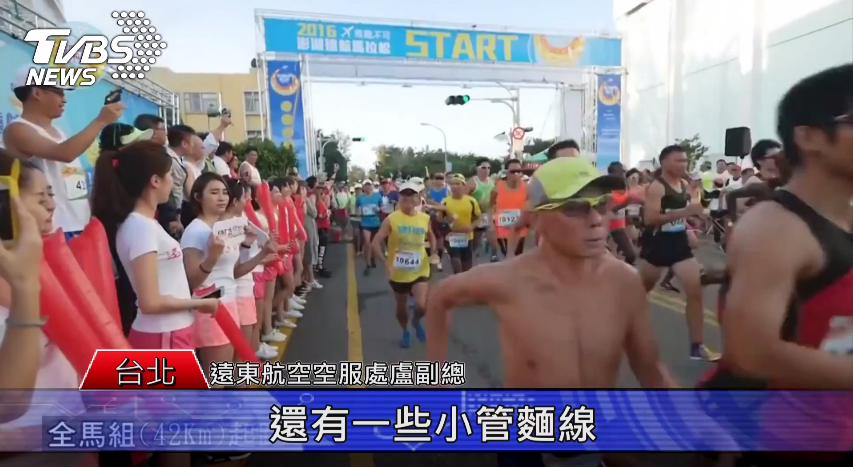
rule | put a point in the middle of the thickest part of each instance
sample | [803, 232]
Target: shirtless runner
[545, 343]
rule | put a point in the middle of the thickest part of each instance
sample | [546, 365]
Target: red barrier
[235, 335]
[64, 328]
[92, 252]
[81, 294]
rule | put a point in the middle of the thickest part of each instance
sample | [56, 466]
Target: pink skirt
[207, 330]
[179, 339]
[248, 311]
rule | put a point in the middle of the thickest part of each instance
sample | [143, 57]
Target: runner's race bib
[839, 339]
[368, 210]
[484, 221]
[634, 210]
[458, 240]
[679, 225]
[619, 215]
[407, 260]
[75, 185]
[508, 217]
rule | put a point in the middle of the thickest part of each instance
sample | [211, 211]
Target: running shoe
[270, 347]
[290, 314]
[366, 271]
[299, 300]
[274, 336]
[700, 352]
[324, 273]
[420, 332]
[286, 323]
[406, 340]
[495, 259]
[294, 305]
[266, 353]
[669, 287]
[316, 285]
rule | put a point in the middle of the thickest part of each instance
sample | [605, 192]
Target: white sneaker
[274, 336]
[270, 347]
[294, 305]
[299, 300]
[285, 324]
[316, 285]
[266, 353]
[292, 314]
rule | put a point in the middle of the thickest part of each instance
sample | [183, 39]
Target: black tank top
[820, 312]
[671, 201]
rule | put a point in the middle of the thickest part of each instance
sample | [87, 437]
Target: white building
[701, 66]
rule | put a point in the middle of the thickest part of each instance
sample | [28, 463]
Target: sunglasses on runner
[514, 171]
[439, 178]
[581, 207]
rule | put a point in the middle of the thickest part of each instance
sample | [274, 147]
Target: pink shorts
[261, 279]
[207, 330]
[248, 311]
[179, 339]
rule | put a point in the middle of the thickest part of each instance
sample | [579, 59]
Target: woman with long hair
[252, 255]
[283, 306]
[114, 137]
[129, 184]
[264, 277]
[297, 240]
[210, 260]
[27, 358]
[309, 222]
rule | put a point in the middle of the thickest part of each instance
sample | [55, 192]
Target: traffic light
[457, 100]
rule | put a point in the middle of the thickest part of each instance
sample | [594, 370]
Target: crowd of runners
[603, 242]
[572, 253]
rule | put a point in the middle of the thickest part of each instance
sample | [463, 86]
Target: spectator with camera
[33, 136]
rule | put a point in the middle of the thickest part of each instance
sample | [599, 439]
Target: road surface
[352, 319]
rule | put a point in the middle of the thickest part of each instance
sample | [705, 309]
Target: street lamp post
[443, 135]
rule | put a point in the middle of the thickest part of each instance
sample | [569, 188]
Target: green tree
[694, 148]
[397, 161]
[356, 175]
[273, 160]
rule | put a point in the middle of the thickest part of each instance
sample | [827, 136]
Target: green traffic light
[465, 99]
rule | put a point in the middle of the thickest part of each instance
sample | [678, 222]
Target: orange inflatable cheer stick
[82, 295]
[63, 326]
[92, 252]
[265, 201]
[235, 335]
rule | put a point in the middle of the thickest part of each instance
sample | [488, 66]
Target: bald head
[197, 152]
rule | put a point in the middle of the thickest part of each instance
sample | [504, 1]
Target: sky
[217, 36]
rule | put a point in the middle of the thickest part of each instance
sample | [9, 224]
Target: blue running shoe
[420, 332]
[406, 340]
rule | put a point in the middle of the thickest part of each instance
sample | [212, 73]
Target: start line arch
[295, 49]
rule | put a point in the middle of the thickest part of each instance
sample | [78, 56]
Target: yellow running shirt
[464, 210]
[407, 256]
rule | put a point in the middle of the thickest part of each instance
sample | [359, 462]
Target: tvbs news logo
[76, 54]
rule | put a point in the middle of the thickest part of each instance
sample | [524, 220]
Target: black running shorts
[665, 249]
[405, 288]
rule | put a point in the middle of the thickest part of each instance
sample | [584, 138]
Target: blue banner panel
[389, 41]
[83, 103]
[287, 125]
[438, 420]
[609, 121]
